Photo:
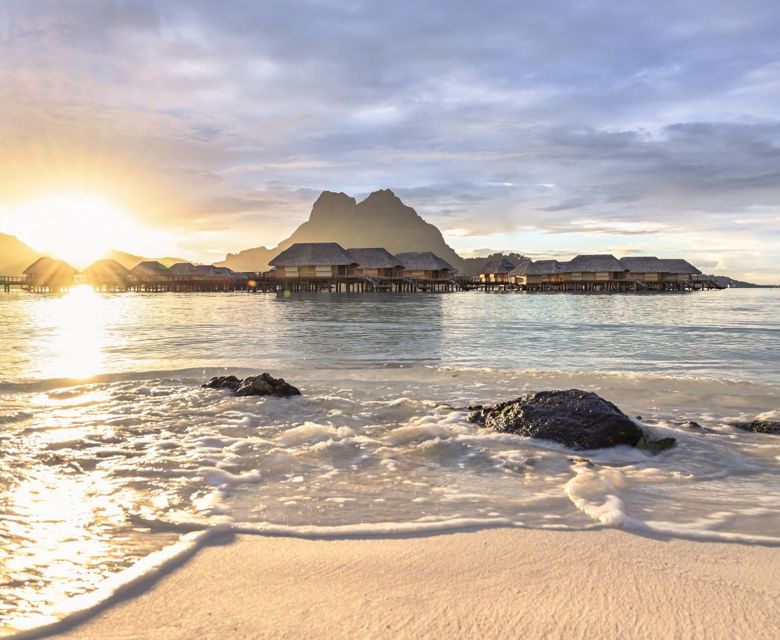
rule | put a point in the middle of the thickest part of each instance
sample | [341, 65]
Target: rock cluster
[760, 426]
[263, 385]
[576, 419]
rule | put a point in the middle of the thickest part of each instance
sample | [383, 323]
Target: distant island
[731, 283]
[380, 220]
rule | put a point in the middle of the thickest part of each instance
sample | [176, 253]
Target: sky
[543, 127]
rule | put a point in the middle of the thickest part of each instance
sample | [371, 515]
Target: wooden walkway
[601, 286]
[359, 284]
[11, 281]
[353, 284]
[247, 282]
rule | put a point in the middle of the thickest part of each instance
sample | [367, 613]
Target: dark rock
[263, 385]
[577, 419]
[224, 382]
[694, 426]
[760, 426]
[655, 446]
[266, 385]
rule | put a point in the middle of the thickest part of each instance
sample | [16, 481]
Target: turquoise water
[112, 451]
[725, 334]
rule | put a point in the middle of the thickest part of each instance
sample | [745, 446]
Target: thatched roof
[224, 271]
[643, 264]
[39, 266]
[108, 270]
[423, 261]
[183, 269]
[377, 258]
[149, 268]
[678, 265]
[593, 264]
[520, 270]
[498, 264]
[207, 271]
[47, 266]
[542, 268]
[312, 254]
[651, 264]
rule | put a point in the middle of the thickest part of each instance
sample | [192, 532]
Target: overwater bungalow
[518, 274]
[49, 275]
[188, 271]
[150, 269]
[679, 270]
[150, 275]
[107, 275]
[646, 268]
[425, 265]
[653, 273]
[539, 274]
[604, 272]
[593, 269]
[185, 276]
[183, 270]
[210, 271]
[312, 260]
[376, 263]
[497, 270]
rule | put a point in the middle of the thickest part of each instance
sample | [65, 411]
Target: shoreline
[512, 582]
[441, 546]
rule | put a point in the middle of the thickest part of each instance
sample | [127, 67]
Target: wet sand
[488, 584]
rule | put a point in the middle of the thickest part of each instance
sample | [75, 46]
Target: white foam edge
[609, 511]
[150, 568]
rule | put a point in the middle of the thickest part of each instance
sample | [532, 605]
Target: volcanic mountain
[381, 220]
[15, 255]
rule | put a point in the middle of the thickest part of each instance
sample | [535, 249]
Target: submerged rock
[576, 419]
[263, 385]
[760, 426]
[655, 446]
[588, 463]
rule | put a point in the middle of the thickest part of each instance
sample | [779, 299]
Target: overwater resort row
[326, 266]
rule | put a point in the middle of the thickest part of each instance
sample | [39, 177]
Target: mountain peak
[332, 205]
[384, 196]
[333, 197]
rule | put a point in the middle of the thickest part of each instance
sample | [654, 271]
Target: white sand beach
[492, 583]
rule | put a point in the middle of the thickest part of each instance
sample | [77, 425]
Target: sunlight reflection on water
[77, 335]
[70, 517]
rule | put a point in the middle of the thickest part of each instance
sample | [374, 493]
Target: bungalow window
[323, 272]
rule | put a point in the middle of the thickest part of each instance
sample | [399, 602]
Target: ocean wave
[376, 453]
[142, 574]
[406, 372]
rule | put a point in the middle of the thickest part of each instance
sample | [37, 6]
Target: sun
[76, 227]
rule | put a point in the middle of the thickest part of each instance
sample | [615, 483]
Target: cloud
[530, 120]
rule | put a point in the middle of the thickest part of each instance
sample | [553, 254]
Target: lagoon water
[115, 459]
